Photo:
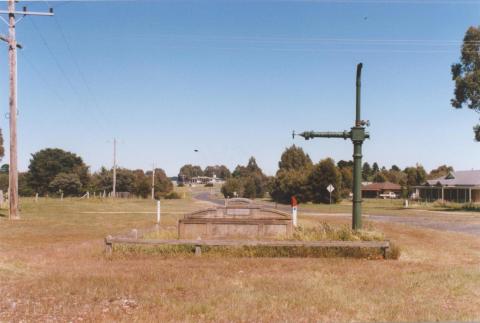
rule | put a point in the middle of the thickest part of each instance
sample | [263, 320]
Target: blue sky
[234, 78]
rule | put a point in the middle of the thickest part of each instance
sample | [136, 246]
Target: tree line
[298, 176]
[53, 171]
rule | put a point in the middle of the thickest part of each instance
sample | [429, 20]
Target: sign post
[358, 135]
[330, 189]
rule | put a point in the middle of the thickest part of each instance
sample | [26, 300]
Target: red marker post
[294, 211]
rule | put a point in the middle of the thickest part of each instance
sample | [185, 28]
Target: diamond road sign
[330, 188]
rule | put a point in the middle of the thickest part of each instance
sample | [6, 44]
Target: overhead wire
[77, 65]
[62, 71]
[426, 2]
[42, 77]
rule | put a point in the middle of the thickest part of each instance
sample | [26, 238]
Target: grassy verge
[52, 268]
[451, 206]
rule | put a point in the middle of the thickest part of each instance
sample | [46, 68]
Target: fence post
[198, 247]
[294, 215]
[158, 212]
[108, 246]
[36, 197]
[294, 204]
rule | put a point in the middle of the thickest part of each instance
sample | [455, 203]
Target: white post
[294, 215]
[158, 212]
[153, 182]
[36, 198]
[88, 195]
[61, 196]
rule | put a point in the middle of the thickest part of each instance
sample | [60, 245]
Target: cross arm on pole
[27, 13]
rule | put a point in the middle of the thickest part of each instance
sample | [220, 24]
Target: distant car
[389, 195]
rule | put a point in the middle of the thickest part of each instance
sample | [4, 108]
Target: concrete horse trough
[239, 223]
[239, 218]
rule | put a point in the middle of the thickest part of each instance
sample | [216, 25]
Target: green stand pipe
[358, 135]
[357, 157]
[357, 186]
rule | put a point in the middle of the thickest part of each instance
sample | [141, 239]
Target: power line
[371, 42]
[427, 2]
[79, 69]
[55, 59]
[327, 50]
[62, 70]
[42, 77]
[314, 39]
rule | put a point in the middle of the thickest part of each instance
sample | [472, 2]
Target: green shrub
[173, 196]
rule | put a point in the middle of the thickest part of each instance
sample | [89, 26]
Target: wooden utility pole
[153, 182]
[12, 56]
[114, 189]
[13, 169]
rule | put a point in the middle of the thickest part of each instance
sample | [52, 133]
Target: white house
[459, 186]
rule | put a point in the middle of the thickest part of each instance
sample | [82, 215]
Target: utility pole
[12, 57]
[358, 135]
[114, 189]
[153, 182]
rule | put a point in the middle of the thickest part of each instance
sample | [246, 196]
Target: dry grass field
[52, 268]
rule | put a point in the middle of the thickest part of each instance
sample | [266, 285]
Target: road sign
[330, 188]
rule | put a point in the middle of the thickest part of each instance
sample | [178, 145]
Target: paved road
[442, 221]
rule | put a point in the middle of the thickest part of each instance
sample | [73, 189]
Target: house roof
[458, 178]
[382, 186]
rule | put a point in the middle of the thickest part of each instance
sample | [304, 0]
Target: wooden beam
[272, 243]
[27, 13]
